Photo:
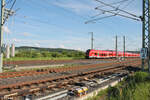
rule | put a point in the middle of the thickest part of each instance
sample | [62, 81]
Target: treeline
[27, 48]
[37, 54]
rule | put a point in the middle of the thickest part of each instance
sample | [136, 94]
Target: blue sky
[61, 24]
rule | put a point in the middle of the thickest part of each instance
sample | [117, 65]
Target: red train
[108, 54]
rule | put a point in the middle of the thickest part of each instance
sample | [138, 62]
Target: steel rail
[32, 90]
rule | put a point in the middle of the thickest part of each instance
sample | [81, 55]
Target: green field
[42, 58]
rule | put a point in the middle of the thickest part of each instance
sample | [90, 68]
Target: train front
[87, 54]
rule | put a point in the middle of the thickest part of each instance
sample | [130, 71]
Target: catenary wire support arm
[98, 19]
[115, 13]
[109, 5]
[9, 12]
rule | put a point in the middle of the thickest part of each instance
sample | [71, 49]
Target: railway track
[51, 70]
[48, 62]
[51, 79]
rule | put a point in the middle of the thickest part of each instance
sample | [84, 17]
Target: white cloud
[62, 46]
[28, 34]
[6, 30]
[37, 45]
[79, 49]
[75, 6]
[82, 44]
[16, 40]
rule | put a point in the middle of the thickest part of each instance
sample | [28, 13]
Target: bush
[24, 54]
[113, 93]
[46, 54]
[141, 76]
[56, 54]
[36, 55]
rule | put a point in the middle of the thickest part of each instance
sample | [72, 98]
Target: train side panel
[108, 54]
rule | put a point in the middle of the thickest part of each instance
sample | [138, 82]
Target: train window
[95, 53]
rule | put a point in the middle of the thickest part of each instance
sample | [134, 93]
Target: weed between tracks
[39, 68]
[48, 67]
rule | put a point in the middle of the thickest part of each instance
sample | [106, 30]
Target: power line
[68, 11]
[44, 22]
[13, 5]
[9, 1]
[115, 12]
[130, 2]
[100, 14]
[115, 3]
[126, 5]
[119, 14]
[42, 6]
[119, 2]
[117, 8]
[99, 18]
[9, 11]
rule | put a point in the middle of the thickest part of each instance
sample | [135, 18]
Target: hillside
[36, 53]
[26, 48]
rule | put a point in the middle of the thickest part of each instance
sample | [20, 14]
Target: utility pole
[92, 40]
[146, 31]
[116, 47]
[5, 13]
[124, 46]
[1, 33]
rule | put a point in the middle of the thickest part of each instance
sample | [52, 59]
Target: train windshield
[87, 53]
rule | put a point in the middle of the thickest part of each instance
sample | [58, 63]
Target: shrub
[45, 54]
[113, 93]
[36, 55]
[141, 76]
[56, 54]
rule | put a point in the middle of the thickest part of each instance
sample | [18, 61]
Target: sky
[61, 24]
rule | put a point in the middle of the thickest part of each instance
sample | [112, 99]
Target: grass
[40, 58]
[136, 87]
[39, 68]
[142, 91]
[100, 96]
